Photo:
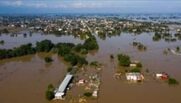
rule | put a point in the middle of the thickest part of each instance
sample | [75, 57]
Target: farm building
[162, 76]
[63, 86]
[134, 77]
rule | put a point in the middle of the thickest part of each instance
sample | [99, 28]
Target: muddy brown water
[25, 79]
[19, 39]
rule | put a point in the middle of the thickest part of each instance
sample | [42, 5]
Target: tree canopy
[91, 43]
[124, 60]
[44, 46]
[19, 51]
[50, 92]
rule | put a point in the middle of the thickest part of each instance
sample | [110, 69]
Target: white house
[163, 76]
[95, 93]
[133, 65]
[134, 77]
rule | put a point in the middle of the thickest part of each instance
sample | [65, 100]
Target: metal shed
[62, 88]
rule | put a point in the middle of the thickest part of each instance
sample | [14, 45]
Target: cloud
[36, 5]
[12, 3]
[20, 3]
[86, 4]
[78, 4]
[61, 4]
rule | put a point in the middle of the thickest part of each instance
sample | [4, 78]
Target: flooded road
[25, 79]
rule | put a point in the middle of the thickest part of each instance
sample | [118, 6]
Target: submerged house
[63, 86]
[162, 76]
[134, 77]
[95, 93]
[133, 65]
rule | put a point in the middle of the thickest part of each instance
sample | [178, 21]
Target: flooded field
[19, 39]
[25, 79]
[153, 59]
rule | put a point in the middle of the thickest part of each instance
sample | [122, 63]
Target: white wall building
[134, 77]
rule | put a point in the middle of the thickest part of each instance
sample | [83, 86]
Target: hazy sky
[90, 6]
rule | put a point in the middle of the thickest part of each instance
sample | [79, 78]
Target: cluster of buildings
[134, 75]
[87, 82]
[90, 84]
[79, 25]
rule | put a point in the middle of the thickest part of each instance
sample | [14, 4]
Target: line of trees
[43, 46]
[88, 45]
[69, 51]
[16, 52]
[4, 31]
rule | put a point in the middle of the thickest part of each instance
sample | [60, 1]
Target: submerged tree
[124, 60]
[112, 56]
[44, 46]
[48, 59]
[2, 42]
[177, 48]
[88, 94]
[91, 43]
[50, 92]
[172, 81]
[18, 51]
[135, 70]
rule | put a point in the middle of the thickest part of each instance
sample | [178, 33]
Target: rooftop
[64, 83]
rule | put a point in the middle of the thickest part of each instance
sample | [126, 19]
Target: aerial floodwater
[26, 72]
